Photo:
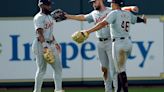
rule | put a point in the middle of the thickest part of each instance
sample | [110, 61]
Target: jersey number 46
[125, 25]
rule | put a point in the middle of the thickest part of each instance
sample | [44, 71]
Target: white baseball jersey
[97, 16]
[120, 21]
[46, 23]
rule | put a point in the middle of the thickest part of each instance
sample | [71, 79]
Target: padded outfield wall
[80, 62]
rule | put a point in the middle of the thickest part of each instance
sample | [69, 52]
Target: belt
[121, 38]
[103, 39]
[49, 42]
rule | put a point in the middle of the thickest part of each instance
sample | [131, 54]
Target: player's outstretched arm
[76, 17]
[134, 9]
[97, 27]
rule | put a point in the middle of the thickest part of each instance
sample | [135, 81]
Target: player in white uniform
[119, 21]
[104, 43]
[43, 24]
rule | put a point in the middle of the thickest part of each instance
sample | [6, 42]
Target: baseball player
[104, 42]
[119, 21]
[43, 24]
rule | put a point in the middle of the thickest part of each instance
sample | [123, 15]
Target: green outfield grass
[87, 89]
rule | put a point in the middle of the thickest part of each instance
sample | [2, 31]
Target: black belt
[121, 38]
[49, 42]
[103, 39]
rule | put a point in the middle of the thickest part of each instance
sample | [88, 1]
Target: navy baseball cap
[45, 2]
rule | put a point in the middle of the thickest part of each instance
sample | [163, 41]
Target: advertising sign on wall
[17, 62]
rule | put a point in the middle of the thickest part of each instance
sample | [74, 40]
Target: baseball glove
[80, 36]
[48, 56]
[58, 15]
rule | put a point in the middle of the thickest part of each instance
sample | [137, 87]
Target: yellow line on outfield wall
[77, 79]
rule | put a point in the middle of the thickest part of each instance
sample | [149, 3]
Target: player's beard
[47, 12]
[97, 8]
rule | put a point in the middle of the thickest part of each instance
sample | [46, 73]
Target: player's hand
[144, 18]
[135, 9]
[87, 31]
[80, 36]
[45, 49]
[57, 46]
